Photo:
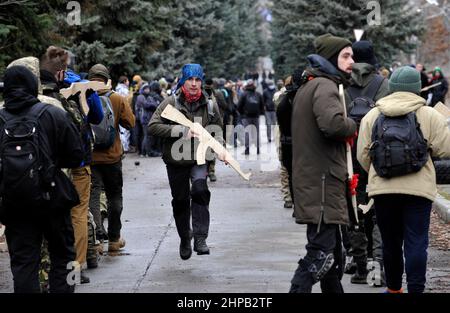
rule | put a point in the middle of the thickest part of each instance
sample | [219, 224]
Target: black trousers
[187, 200]
[327, 241]
[24, 237]
[109, 176]
[138, 135]
[286, 160]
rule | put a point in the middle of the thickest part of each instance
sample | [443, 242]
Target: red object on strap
[353, 183]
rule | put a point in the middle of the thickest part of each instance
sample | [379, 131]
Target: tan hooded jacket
[435, 131]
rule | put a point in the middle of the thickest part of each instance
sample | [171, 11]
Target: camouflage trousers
[285, 184]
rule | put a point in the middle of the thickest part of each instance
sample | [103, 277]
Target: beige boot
[114, 246]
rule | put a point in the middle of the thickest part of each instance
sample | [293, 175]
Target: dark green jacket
[319, 165]
[173, 134]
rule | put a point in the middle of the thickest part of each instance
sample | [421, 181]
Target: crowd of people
[62, 161]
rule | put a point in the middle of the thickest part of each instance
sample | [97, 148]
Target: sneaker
[200, 246]
[288, 204]
[114, 246]
[185, 248]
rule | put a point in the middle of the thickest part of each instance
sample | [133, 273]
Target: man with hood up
[403, 203]
[26, 226]
[251, 106]
[319, 169]
[179, 155]
[269, 108]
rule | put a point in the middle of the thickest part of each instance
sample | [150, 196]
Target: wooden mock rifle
[205, 138]
[82, 87]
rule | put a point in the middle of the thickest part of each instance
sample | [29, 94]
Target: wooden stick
[431, 86]
[349, 154]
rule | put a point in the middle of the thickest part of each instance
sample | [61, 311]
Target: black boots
[200, 246]
[83, 278]
[185, 248]
[360, 277]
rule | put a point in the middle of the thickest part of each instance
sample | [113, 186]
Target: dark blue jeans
[404, 221]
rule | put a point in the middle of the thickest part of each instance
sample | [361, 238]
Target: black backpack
[26, 170]
[363, 102]
[251, 107]
[398, 146]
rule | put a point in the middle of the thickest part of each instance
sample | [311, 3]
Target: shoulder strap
[177, 102]
[354, 92]
[108, 94]
[36, 110]
[211, 100]
[377, 131]
[373, 87]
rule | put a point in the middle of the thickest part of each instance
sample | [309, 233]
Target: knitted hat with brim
[99, 71]
[328, 45]
[405, 78]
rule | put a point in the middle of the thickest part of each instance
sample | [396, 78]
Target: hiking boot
[360, 277]
[185, 248]
[114, 246]
[83, 278]
[288, 204]
[247, 152]
[212, 177]
[200, 246]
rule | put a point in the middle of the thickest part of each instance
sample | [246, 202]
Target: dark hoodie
[250, 91]
[321, 67]
[21, 90]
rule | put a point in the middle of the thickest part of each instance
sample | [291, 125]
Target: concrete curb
[442, 207]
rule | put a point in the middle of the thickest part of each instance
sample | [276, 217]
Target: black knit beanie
[363, 52]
